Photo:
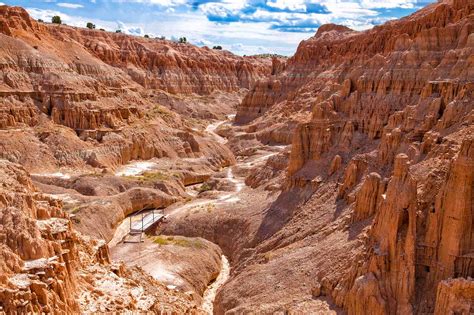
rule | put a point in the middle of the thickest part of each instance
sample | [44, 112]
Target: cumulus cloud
[162, 3]
[128, 29]
[292, 5]
[372, 4]
[202, 42]
[305, 15]
[46, 15]
[69, 5]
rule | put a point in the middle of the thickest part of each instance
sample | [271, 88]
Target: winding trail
[56, 174]
[137, 167]
[211, 129]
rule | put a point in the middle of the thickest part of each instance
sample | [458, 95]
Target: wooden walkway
[142, 221]
[145, 222]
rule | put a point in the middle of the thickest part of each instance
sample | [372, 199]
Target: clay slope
[48, 267]
[377, 214]
[78, 97]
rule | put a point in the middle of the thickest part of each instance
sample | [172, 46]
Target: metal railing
[143, 213]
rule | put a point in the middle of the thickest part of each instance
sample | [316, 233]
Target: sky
[245, 27]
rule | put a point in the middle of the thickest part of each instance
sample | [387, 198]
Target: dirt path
[211, 129]
[238, 183]
[135, 168]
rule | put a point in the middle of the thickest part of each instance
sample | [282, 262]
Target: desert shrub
[56, 19]
[183, 40]
[217, 47]
[205, 187]
[90, 25]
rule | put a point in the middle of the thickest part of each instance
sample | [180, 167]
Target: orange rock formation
[384, 145]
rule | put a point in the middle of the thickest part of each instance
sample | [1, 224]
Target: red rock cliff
[388, 116]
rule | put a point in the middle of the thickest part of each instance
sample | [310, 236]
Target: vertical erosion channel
[210, 293]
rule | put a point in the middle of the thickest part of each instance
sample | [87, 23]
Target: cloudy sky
[241, 26]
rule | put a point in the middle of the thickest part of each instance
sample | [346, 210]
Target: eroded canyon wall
[48, 267]
[99, 98]
[386, 122]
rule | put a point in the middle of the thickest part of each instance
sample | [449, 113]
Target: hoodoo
[141, 174]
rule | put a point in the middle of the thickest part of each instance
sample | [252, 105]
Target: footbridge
[141, 221]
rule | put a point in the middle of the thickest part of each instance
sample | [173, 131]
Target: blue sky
[241, 26]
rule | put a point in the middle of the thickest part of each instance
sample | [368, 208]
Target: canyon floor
[177, 252]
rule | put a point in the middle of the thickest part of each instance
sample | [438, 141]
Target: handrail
[142, 213]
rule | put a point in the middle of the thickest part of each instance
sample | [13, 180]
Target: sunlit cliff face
[243, 27]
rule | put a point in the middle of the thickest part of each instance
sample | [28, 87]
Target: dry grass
[150, 177]
[159, 111]
[183, 242]
[205, 187]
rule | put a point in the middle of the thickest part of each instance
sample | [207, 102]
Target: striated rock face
[455, 296]
[152, 63]
[48, 267]
[368, 197]
[38, 249]
[384, 148]
[362, 73]
[392, 240]
[454, 210]
[113, 91]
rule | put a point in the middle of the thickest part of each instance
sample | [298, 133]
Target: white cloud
[388, 4]
[131, 29]
[163, 3]
[46, 15]
[288, 4]
[222, 8]
[69, 5]
[78, 21]
[202, 42]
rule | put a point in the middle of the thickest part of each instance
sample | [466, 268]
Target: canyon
[337, 181]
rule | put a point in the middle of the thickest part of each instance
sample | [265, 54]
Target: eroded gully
[138, 167]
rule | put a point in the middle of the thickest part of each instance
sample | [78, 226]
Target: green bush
[56, 19]
[40, 20]
[146, 36]
[183, 40]
[90, 25]
[205, 187]
[217, 47]
[118, 31]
